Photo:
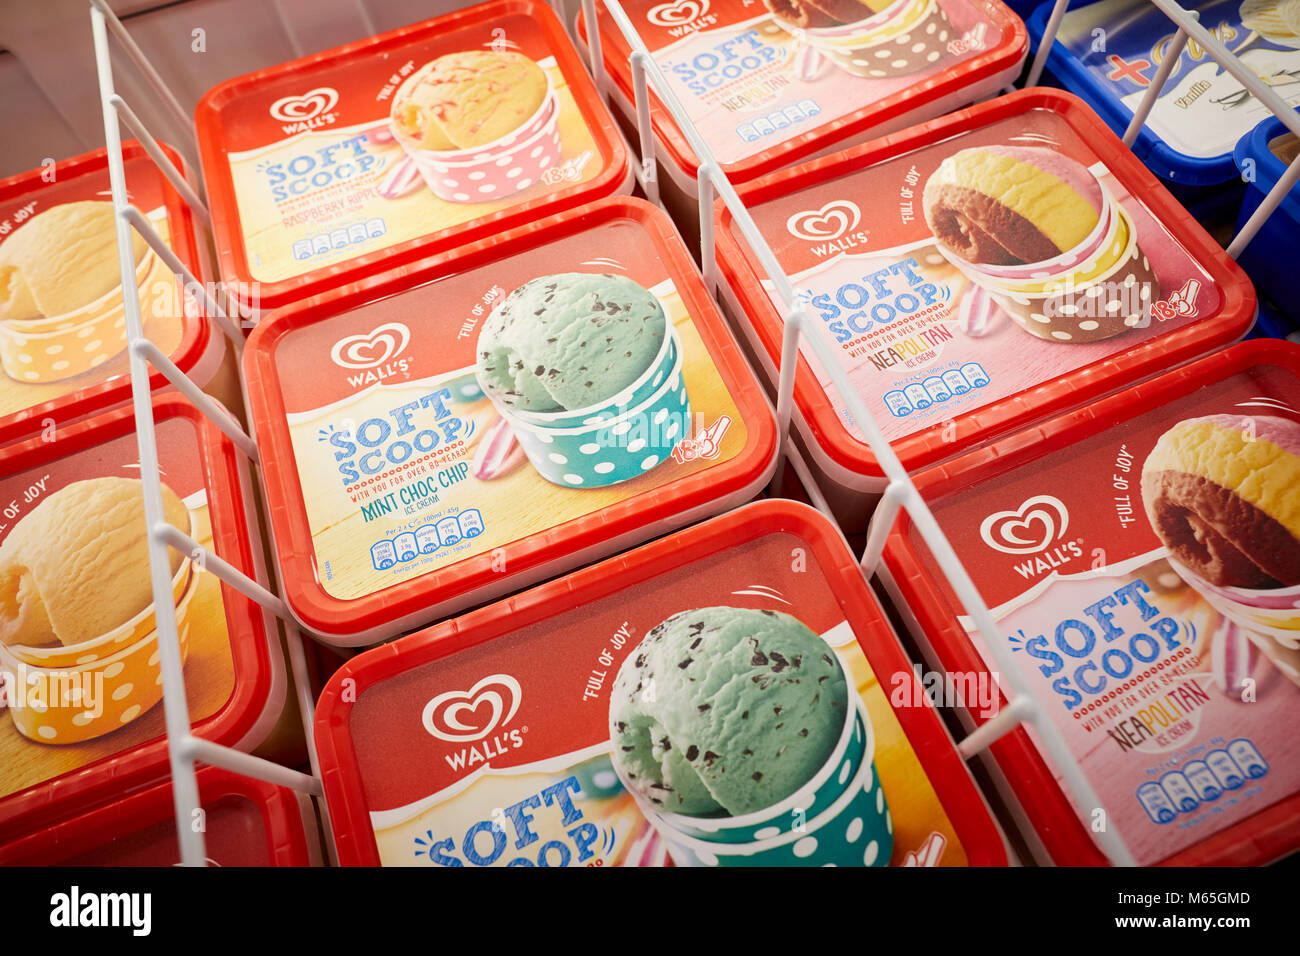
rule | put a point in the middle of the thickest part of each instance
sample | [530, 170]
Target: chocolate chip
[588, 384]
[551, 341]
[779, 663]
[686, 663]
[710, 756]
[827, 659]
[745, 716]
[804, 732]
[666, 744]
[703, 707]
[747, 752]
[640, 660]
[692, 752]
[758, 660]
[758, 777]
[769, 613]
[539, 370]
[776, 709]
[696, 643]
[627, 749]
[621, 726]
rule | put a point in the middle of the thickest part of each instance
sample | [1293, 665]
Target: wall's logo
[675, 14]
[463, 716]
[385, 343]
[295, 109]
[830, 222]
[1030, 528]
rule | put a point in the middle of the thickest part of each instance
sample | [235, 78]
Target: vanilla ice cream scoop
[61, 259]
[77, 565]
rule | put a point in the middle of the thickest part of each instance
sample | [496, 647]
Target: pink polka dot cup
[499, 169]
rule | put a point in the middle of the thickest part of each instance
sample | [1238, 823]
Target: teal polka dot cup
[614, 444]
[838, 818]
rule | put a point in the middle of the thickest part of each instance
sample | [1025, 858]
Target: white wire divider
[184, 748]
[900, 493]
[1189, 27]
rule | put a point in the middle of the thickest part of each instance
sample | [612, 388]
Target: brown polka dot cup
[907, 37]
[1100, 289]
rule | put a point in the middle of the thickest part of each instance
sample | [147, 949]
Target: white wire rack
[900, 494]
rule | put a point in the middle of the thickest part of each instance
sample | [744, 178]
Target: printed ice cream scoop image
[1222, 492]
[873, 39]
[468, 99]
[737, 732]
[478, 125]
[1040, 233]
[76, 602]
[587, 371]
[569, 341]
[77, 565]
[61, 291]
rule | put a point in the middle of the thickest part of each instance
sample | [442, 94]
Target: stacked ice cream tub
[768, 85]
[332, 168]
[1141, 558]
[704, 700]
[974, 274]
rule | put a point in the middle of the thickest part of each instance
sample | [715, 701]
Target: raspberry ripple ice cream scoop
[468, 99]
[725, 709]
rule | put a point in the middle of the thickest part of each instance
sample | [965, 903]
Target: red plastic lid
[763, 98]
[1054, 527]
[35, 386]
[106, 733]
[909, 336]
[395, 489]
[312, 189]
[247, 822]
[420, 738]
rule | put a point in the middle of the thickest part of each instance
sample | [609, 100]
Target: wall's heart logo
[295, 109]
[830, 222]
[1031, 527]
[386, 342]
[675, 14]
[463, 716]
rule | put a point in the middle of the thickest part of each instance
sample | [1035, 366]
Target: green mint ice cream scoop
[569, 341]
[725, 709]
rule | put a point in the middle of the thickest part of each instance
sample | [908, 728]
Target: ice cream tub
[475, 425]
[1017, 262]
[1203, 110]
[729, 695]
[62, 317]
[775, 83]
[365, 158]
[79, 646]
[1262, 156]
[247, 822]
[1121, 549]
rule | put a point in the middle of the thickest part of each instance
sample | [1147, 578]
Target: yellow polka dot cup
[54, 348]
[72, 693]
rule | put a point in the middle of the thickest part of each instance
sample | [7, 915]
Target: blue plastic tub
[1270, 259]
[1107, 53]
